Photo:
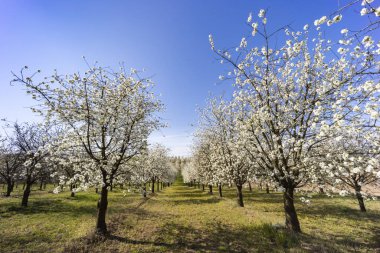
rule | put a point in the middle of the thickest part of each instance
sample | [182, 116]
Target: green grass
[184, 219]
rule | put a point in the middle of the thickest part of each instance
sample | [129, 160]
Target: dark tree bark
[267, 188]
[291, 219]
[25, 196]
[10, 185]
[144, 191]
[240, 195]
[210, 189]
[220, 190]
[41, 184]
[250, 186]
[359, 196]
[203, 187]
[72, 187]
[158, 185]
[96, 190]
[101, 226]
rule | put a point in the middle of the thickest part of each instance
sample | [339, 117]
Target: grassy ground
[184, 219]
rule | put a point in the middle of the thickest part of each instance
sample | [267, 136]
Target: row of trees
[23, 155]
[303, 112]
[94, 134]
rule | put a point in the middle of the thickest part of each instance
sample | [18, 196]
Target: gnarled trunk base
[291, 219]
[101, 227]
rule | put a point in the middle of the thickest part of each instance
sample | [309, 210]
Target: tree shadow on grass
[338, 211]
[46, 206]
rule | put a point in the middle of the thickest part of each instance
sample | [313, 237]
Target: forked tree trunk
[210, 189]
[240, 195]
[101, 226]
[359, 196]
[25, 196]
[291, 219]
[220, 190]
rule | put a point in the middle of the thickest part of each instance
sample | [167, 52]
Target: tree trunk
[210, 189]
[250, 186]
[240, 195]
[359, 196]
[10, 185]
[71, 189]
[25, 196]
[158, 185]
[101, 226]
[291, 219]
[267, 188]
[96, 190]
[203, 187]
[220, 190]
[144, 191]
[41, 185]
[23, 186]
[153, 185]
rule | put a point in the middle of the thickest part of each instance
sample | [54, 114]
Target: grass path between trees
[185, 219]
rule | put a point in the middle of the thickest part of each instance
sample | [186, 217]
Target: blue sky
[169, 38]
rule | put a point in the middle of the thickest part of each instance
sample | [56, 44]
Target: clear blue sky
[167, 37]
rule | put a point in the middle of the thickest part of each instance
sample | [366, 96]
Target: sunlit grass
[184, 219]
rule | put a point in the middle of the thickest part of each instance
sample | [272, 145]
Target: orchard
[285, 159]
